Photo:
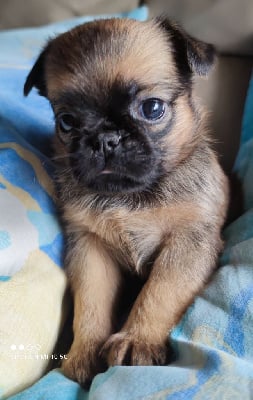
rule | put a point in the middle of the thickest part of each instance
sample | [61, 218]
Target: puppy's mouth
[115, 175]
[113, 181]
[106, 172]
[111, 163]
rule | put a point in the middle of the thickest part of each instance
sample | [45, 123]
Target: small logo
[32, 352]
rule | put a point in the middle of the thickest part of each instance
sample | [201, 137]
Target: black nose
[108, 141]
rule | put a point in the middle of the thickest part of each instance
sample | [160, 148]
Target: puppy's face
[121, 94]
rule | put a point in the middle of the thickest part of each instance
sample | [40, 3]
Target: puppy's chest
[132, 237]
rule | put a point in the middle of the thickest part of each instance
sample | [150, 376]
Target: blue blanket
[214, 340]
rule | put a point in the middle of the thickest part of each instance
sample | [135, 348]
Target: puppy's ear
[36, 77]
[191, 54]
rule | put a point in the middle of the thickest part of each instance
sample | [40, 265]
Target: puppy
[139, 187]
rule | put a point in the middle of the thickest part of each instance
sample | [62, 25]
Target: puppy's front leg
[94, 279]
[179, 272]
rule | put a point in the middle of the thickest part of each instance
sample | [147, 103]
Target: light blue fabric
[214, 340]
[53, 386]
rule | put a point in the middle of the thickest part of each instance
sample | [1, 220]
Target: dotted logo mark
[14, 347]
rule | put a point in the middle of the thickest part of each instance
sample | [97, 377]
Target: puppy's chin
[108, 181]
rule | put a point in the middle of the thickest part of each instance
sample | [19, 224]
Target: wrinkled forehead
[94, 56]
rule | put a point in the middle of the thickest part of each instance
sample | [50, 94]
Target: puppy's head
[121, 95]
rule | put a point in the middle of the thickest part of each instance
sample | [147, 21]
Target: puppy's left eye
[153, 109]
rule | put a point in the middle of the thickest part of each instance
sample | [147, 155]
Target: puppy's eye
[67, 122]
[153, 109]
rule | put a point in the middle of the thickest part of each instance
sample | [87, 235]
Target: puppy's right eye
[67, 122]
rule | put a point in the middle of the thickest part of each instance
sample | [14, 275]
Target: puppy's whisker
[63, 156]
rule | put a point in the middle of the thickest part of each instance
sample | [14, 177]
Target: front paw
[82, 364]
[126, 349]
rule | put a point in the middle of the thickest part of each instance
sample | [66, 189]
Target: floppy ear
[36, 77]
[191, 54]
